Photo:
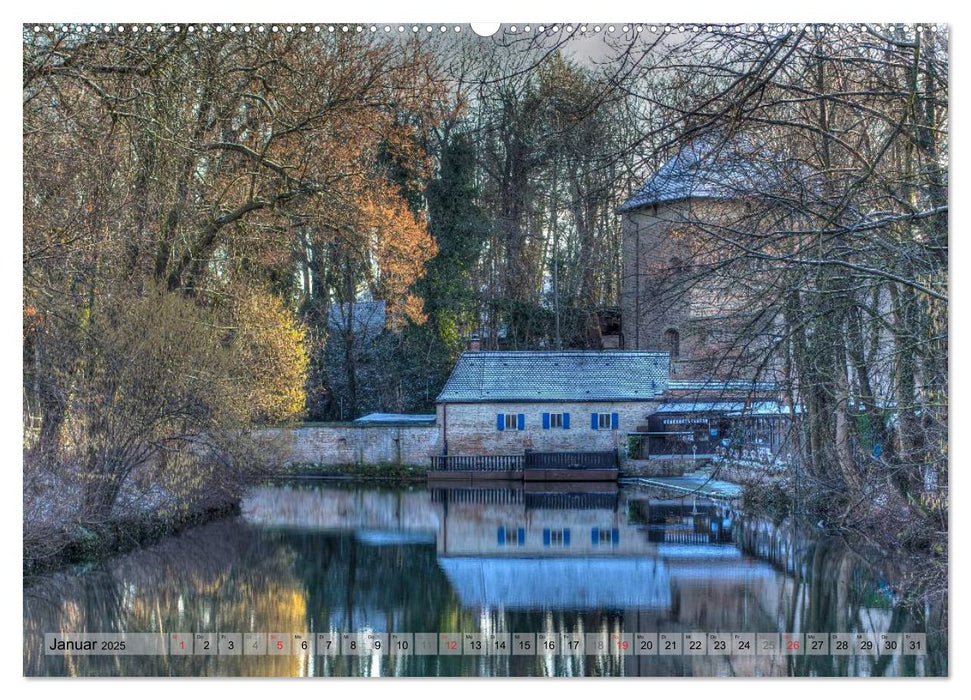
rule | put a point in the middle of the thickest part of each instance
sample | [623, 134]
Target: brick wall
[340, 443]
[665, 254]
[472, 430]
[648, 308]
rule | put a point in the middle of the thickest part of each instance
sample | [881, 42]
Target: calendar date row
[487, 644]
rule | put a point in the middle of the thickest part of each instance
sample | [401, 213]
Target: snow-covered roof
[557, 376]
[728, 408]
[701, 407]
[396, 418]
[719, 385]
[767, 408]
[715, 168]
[364, 318]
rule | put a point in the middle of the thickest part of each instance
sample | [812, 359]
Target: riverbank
[880, 524]
[87, 544]
[341, 550]
[369, 472]
[84, 543]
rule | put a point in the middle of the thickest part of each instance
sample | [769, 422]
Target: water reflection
[314, 557]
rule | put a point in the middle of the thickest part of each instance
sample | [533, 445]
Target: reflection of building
[598, 549]
[643, 554]
[573, 583]
[664, 564]
[516, 530]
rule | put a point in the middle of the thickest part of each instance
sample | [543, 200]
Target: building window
[508, 536]
[556, 538]
[604, 421]
[556, 420]
[672, 343]
[604, 537]
[510, 421]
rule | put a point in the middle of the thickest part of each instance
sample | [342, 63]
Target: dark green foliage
[460, 228]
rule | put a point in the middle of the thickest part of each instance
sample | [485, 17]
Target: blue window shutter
[546, 421]
[615, 537]
[546, 537]
[500, 421]
[521, 421]
[594, 536]
[501, 535]
[521, 536]
[566, 537]
[566, 421]
[593, 421]
[614, 421]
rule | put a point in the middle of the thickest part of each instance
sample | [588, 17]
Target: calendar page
[526, 349]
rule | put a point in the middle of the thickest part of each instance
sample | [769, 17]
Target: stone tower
[670, 301]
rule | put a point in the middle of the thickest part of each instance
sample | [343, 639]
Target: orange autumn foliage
[401, 245]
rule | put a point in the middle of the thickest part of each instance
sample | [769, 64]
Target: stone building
[677, 295]
[504, 403]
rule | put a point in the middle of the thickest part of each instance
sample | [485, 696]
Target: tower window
[672, 343]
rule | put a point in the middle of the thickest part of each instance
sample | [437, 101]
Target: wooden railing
[571, 501]
[484, 496]
[680, 536]
[481, 463]
[570, 460]
[530, 460]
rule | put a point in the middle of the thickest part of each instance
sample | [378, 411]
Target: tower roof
[712, 167]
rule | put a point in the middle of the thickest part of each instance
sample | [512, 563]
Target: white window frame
[601, 417]
[605, 536]
[511, 537]
[514, 423]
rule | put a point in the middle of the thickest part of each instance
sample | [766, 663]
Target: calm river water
[333, 557]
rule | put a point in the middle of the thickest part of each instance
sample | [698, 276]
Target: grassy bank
[378, 472]
[879, 521]
[90, 543]
[78, 543]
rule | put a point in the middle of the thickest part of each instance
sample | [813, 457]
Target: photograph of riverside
[358, 350]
